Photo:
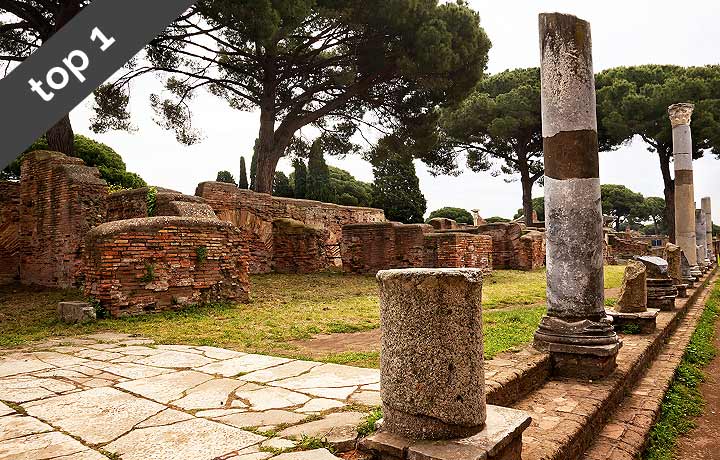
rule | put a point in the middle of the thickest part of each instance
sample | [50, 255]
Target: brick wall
[9, 232]
[368, 248]
[256, 211]
[151, 264]
[61, 200]
[297, 248]
[531, 251]
[626, 248]
[458, 250]
[443, 223]
[130, 204]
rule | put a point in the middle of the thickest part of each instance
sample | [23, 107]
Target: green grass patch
[367, 427]
[683, 400]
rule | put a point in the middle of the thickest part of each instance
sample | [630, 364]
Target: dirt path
[703, 443]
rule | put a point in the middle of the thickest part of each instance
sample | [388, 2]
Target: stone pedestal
[631, 314]
[700, 238]
[706, 206]
[576, 330]
[432, 375]
[673, 255]
[76, 312]
[687, 276]
[661, 289]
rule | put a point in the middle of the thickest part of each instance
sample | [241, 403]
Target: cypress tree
[300, 178]
[396, 189]
[318, 176]
[242, 180]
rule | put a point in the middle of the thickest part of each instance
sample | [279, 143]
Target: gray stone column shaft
[680, 115]
[576, 315]
[700, 236]
[431, 366]
[706, 206]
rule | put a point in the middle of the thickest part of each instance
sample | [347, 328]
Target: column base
[501, 439]
[695, 271]
[634, 323]
[582, 349]
[682, 290]
[423, 427]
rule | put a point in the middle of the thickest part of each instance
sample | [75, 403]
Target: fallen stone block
[76, 312]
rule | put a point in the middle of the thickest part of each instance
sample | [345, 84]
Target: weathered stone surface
[45, 446]
[20, 364]
[633, 294]
[165, 417]
[196, 439]
[280, 372]
[656, 267]
[278, 444]
[242, 365]
[213, 394]
[16, 426]
[673, 255]
[175, 360]
[320, 405]
[339, 429]
[330, 376]
[367, 398]
[166, 387]
[5, 410]
[272, 398]
[112, 413]
[76, 312]
[317, 454]
[432, 340]
[22, 388]
[638, 322]
[267, 418]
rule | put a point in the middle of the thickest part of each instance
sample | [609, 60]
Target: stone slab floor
[114, 396]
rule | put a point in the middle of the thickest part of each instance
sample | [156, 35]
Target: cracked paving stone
[15, 426]
[134, 371]
[98, 355]
[256, 419]
[213, 394]
[166, 387]
[368, 398]
[219, 353]
[5, 410]
[111, 411]
[180, 348]
[332, 393]
[176, 359]
[135, 350]
[214, 413]
[23, 364]
[242, 365]
[20, 389]
[45, 446]
[339, 429]
[330, 376]
[59, 359]
[166, 417]
[278, 443]
[291, 369]
[196, 439]
[317, 454]
[320, 405]
[272, 398]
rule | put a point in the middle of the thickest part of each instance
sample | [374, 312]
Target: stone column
[700, 236]
[707, 209]
[576, 329]
[432, 377]
[680, 115]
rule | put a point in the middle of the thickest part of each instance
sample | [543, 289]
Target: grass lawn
[284, 309]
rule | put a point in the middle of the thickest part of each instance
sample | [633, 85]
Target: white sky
[624, 33]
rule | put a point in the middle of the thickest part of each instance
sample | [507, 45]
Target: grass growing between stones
[683, 400]
[284, 309]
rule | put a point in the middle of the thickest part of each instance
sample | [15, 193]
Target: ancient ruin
[631, 312]
[576, 330]
[674, 257]
[661, 290]
[706, 206]
[432, 340]
[700, 238]
[680, 115]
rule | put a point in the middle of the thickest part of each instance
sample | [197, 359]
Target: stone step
[568, 414]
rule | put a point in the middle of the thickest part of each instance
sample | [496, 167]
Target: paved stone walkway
[110, 395]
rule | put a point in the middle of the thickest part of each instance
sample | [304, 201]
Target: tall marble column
[576, 330]
[680, 115]
[706, 206]
[700, 236]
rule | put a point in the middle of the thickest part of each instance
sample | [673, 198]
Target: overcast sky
[624, 33]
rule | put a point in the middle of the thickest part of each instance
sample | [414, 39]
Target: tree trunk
[60, 137]
[527, 185]
[669, 189]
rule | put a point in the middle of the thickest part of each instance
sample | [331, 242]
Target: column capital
[680, 114]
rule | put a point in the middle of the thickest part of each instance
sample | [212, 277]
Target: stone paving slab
[125, 395]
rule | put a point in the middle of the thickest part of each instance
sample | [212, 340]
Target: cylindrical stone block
[432, 377]
[706, 206]
[700, 235]
[573, 212]
[680, 115]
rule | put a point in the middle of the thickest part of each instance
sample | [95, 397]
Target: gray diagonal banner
[73, 63]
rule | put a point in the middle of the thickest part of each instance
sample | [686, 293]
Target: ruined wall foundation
[9, 232]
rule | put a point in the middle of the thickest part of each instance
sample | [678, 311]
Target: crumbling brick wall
[255, 212]
[9, 232]
[61, 200]
[297, 248]
[152, 264]
[130, 204]
[626, 248]
[458, 250]
[443, 223]
[531, 251]
[506, 243]
[368, 248]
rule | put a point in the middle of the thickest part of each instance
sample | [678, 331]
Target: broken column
[673, 255]
[576, 330]
[707, 209]
[432, 377]
[661, 291]
[631, 314]
[700, 236]
[680, 115]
